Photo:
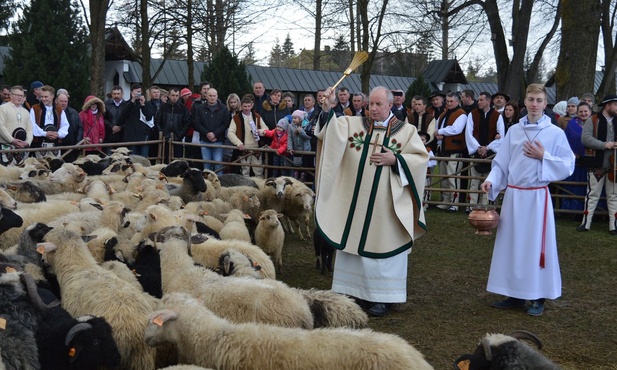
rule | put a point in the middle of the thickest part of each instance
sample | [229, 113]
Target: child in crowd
[298, 139]
[431, 163]
[279, 143]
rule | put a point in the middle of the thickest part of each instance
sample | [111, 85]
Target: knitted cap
[573, 100]
[283, 123]
[298, 113]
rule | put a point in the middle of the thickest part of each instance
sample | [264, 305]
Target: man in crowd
[357, 106]
[499, 101]
[136, 121]
[274, 109]
[244, 134]
[211, 120]
[76, 128]
[483, 134]
[450, 134]
[15, 127]
[6, 93]
[34, 95]
[525, 265]
[173, 118]
[49, 122]
[468, 102]
[343, 100]
[437, 103]
[374, 234]
[600, 142]
[259, 92]
[113, 109]
[398, 108]
[422, 120]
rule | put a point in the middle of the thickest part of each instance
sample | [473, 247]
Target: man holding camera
[136, 120]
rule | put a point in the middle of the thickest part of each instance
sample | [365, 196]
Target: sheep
[10, 172]
[182, 367]
[26, 192]
[237, 299]
[35, 172]
[500, 352]
[234, 179]
[233, 263]
[112, 216]
[270, 237]
[273, 193]
[192, 187]
[93, 166]
[324, 253]
[36, 212]
[298, 207]
[98, 190]
[176, 168]
[234, 227]
[67, 178]
[215, 208]
[208, 252]
[226, 193]
[247, 201]
[87, 288]
[6, 200]
[8, 220]
[206, 340]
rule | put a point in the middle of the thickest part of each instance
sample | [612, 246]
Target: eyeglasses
[18, 95]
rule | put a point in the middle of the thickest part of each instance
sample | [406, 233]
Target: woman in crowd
[510, 114]
[229, 155]
[91, 116]
[571, 109]
[573, 132]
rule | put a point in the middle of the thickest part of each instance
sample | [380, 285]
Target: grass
[448, 308]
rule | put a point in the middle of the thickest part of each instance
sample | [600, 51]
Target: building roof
[173, 73]
[446, 71]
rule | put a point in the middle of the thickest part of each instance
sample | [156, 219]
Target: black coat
[206, 118]
[132, 127]
[173, 118]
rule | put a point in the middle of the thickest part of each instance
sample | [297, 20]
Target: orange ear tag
[464, 365]
[158, 321]
[72, 352]
[2, 323]
[40, 249]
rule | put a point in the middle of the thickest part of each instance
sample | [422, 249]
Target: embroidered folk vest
[455, 143]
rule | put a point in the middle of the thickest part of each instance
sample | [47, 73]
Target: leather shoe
[379, 309]
[581, 228]
[613, 232]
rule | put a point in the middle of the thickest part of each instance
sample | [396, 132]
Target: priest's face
[379, 105]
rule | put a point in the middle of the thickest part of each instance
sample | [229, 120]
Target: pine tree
[49, 43]
[288, 49]
[419, 86]
[227, 74]
[276, 55]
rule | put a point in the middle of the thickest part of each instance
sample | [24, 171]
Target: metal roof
[174, 72]
[448, 71]
[308, 81]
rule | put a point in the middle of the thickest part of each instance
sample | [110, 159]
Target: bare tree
[609, 9]
[371, 37]
[96, 25]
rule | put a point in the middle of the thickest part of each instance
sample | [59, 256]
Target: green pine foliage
[50, 43]
[419, 86]
[227, 74]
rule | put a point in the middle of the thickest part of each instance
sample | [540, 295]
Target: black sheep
[9, 219]
[234, 179]
[95, 168]
[193, 186]
[175, 168]
[147, 269]
[323, 250]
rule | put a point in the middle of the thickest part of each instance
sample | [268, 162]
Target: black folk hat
[437, 93]
[499, 93]
[607, 99]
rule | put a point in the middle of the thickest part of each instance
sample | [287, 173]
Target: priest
[369, 199]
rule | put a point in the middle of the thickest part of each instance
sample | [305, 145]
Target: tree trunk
[607, 86]
[352, 31]
[317, 47]
[367, 35]
[521, 18]
[98, 15]
[145, 45]
[189, 44]
[445, 30]
[576, 64]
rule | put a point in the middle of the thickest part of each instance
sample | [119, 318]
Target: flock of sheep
[113, 263]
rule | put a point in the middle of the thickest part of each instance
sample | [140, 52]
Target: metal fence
[558, 188]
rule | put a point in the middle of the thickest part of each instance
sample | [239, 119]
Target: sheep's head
[91, 344]
[233, 262]
[278, 184]
[270, 218]
[194, 178]
[6, 200]
[157, 331]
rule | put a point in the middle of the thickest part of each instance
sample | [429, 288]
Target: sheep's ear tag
[40, 249]
[256, 266]
[463, 365]
[2, 323]
[72, 352]
[158, 321]
[10, 269]
[245, 198]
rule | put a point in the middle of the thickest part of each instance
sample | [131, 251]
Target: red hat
[185, 92]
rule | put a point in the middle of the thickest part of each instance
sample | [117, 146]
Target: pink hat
[185, 92]
[299, 113]
[90, 97]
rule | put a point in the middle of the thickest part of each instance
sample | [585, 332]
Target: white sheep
[6, 200]
[88, 289]
[237, 299]
[233, 263]
[298, 208]
[272, 192]
[112, 217]
[8, 173]
[234, 226]
[208, 252]
[270, 237]
[206, 340]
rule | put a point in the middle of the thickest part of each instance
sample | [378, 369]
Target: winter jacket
[94, 124]
[271, 114]
[112, 115]
[298, 140]
[279, 142]
[215, 119]
[173, 118]
[132, 127]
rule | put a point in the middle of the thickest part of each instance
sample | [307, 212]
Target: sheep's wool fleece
[527, 211]
[364, 209]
